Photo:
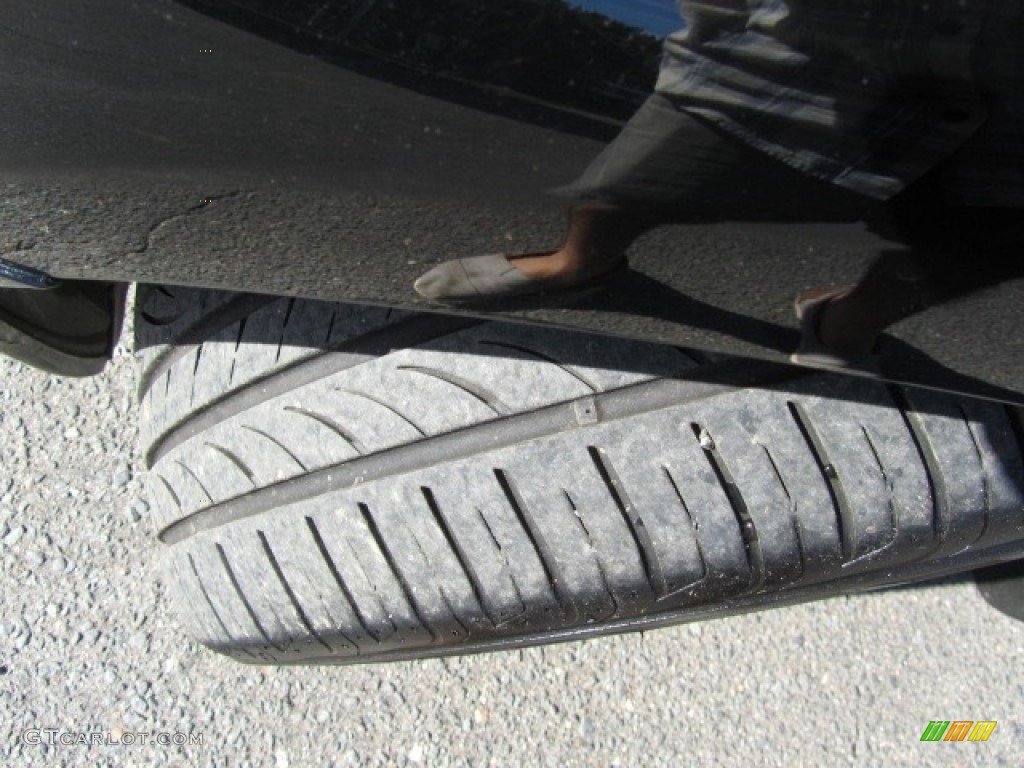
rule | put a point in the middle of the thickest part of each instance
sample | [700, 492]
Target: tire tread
[338, 483]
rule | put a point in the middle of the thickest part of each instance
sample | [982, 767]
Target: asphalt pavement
[95, 670]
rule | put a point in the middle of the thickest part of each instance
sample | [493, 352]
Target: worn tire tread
[404, 485]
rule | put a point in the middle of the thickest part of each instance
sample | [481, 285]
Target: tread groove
[278, 443]
[170, 490]
[199, 482]
[389, 558]
[294, 600]
[634, 521]
[213, 609]
[615, 607]
[578, 516]
[841, 505]
[485, 396]
[540, 545]
[238, 339]
[382, 404]
[245, 601]
[354, 559]
[508, 566]
[440, 587]
[159, 322]
[778, 476]
[466, 632]
[195, 371]
[238, 344]
[798, 533]
[740, 510]
[940, 503]
[465, 562]
[696, 535]
[541, 356]
[224, 316]
[986, 488]
[333, 568]
[234, 460]
[332, 425]
[893, 514]
[301, 372]
[284, 329]
[330, 325]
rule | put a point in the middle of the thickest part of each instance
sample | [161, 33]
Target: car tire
[339, 483]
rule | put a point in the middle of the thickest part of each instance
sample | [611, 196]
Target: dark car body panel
[336, 150]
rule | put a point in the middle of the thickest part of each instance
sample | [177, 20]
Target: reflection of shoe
[485, 278]
[813, 352]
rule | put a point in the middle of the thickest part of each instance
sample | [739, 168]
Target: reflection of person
[792, 110]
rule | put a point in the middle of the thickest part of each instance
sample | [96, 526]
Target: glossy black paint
[337, 149]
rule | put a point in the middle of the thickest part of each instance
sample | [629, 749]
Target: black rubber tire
[344, 483]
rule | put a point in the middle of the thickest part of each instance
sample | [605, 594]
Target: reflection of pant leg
[658, 159]
[645, 177]
[673, 167]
